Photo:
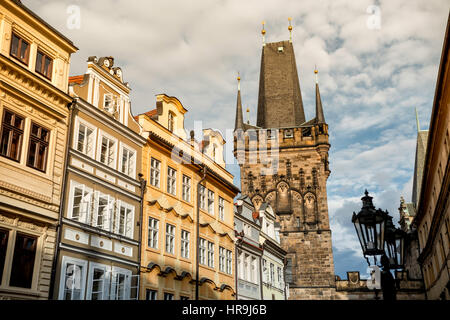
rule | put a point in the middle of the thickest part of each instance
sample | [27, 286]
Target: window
[222, 258]
[23, 261]
[265, 275]
[153, 227]
[246, 273]
[73, 278]
[109, 103]
[97, 284]
[155, 172]
[4, 234]
[151, 294]
[81, 203]
[280, 277]
[202, 251]
[127, 162]
[185, 244]
[184, 298]
[202, 197]
[210, 202]
[171, 122]
[104, 208]
[210, 254]
[221, 209]
[272, 273]
[168, 296]
[44, 65]
[11, 135]
[86, 140]
[186, 188]
[171, 181]
[121, 284]
[20, 49]
[38, 148]
[170, 238]
[107, 152]
[253, 270]
[229, 262]
[125, 219]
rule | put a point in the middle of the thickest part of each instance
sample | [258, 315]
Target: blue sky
[376, 64]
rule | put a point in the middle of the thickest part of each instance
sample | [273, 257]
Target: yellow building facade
[173, 166]
[34, 69]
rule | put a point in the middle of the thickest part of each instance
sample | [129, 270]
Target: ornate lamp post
[379, 237]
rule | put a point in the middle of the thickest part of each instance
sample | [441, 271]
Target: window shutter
[114, 286]
[115, 217]
[107, 285]
[93, 217]
[85, 205]
[130, 222]
[109, 216]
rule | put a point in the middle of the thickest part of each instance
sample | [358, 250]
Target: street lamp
[395, 244]
[379, 237]
[370, 225]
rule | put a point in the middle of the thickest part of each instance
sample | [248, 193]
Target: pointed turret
[239, 122]
[319, 110]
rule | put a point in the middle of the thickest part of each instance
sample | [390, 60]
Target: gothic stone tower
[284, 162]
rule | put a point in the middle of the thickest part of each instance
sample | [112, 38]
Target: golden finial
[239, 81]
[316, 72]
[290, 30]
[263, 32]
[248, 116]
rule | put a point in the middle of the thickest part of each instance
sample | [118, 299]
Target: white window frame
[63, 281]
[153, 233]
[86, 195]
[221, 208]
[169, 294]
[102, 134]
[202, 191]
[153, 294]
[202, 251]
[123, 147]
[272, 273]
[171, 181]
[79, 121]
[210, 254]
[229, 261]
[185, 241]
[128, 228]
[222, 259]
[114, 290]
[109, 210]
[211, 202]
[155, 172]
[106, 280]
[186, 194]
[170, 238]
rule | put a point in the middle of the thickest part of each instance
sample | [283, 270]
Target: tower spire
[417, 121]
[319, 110]
[263, 32]
[290, 30]
[239, 122]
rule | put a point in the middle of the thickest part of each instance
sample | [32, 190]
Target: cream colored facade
[33, 128]
[432, 218]
[169, 221]
[99, 240]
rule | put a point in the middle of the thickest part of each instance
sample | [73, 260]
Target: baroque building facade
[98, 239]
[188, 207]
[273, 258]
[284, 163]
[34, 69]
[247, 226]
[432, 218]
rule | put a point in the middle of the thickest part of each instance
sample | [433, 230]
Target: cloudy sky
[376, 64]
